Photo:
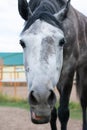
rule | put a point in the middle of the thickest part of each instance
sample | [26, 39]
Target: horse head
[42, 40]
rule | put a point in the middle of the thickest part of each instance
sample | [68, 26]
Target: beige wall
[13, 72]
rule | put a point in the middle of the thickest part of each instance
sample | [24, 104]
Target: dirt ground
[19, 119]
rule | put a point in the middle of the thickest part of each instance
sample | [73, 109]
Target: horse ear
[24, 9]
[62, 14]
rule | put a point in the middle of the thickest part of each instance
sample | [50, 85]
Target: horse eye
[62, 42]
[22, 44]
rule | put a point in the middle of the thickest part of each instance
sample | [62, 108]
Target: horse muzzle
[41, 100]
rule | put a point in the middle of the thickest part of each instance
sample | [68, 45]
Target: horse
[54, 42]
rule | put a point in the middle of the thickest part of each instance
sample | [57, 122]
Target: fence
[13, 81]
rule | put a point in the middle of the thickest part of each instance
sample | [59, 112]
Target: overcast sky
[11, 23]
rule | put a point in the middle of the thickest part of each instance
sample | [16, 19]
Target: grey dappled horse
[54, 41]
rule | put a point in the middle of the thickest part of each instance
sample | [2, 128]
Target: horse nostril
[32, 98]
[52, 98]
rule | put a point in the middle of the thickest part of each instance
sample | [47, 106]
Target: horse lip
[39, 119]
[34, 116]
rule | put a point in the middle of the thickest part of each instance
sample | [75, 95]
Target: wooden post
[15, 89]
[1, 73]
[11, 78]
[17, 77]
[0, 78]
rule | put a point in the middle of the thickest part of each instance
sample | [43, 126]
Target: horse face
[43, 59]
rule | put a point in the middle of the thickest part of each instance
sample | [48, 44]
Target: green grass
[6, 101]
[13, 102]
[75, 111]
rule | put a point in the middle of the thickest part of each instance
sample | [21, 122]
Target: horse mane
[42, 16]
[44, 10]
[33, 4]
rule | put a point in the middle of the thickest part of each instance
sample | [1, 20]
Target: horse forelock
[44, 10]
[45, 16]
